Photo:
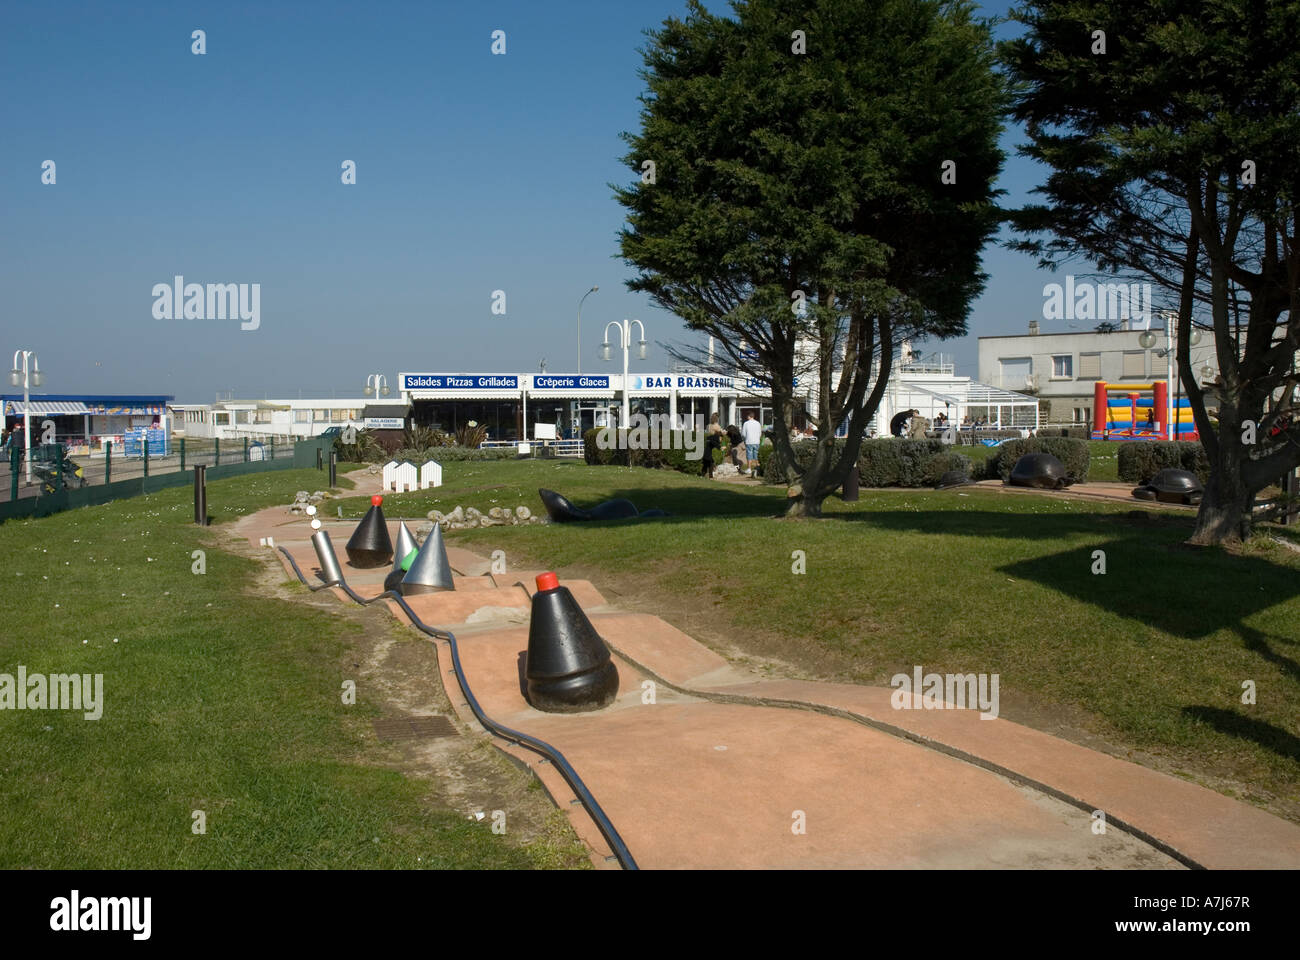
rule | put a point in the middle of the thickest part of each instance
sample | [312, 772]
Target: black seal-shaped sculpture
[568, 667]
[563, 510]
[953, 478]
[1039, 470]
[1172, 485]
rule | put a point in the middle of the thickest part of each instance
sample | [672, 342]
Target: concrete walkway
[700, 763]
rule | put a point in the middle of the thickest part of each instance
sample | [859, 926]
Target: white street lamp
[584, 297]
[27, 379]
[625, 340]
[376, 384]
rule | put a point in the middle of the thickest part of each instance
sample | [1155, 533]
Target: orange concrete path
[699, 763]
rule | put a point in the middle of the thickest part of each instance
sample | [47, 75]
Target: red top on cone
[547, 581]
[376, 500]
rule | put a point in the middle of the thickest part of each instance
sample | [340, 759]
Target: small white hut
[430, 475]
[406, 477]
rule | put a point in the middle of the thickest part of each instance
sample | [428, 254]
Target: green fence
[305, 455]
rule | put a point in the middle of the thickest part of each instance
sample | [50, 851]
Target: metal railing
[54, 468]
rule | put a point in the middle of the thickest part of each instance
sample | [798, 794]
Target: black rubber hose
[598, 816]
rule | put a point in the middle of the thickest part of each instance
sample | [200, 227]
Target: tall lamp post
[584, 297]
[27, 379]
[376, 384]
[625, 338]
[1146, 340]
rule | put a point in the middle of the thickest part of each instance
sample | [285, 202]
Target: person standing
[712, 441]
[752, 431]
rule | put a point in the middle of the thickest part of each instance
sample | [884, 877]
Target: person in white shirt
[752, 431]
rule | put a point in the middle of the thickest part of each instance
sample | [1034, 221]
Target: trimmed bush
[1073, 453]
[941, 463]
[675, 457]
[884, 462]
[1140, 460]
[444, 454]
[896, 462]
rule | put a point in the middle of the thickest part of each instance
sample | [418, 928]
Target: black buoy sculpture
[568, 667]
[430, 572]
[370, 545]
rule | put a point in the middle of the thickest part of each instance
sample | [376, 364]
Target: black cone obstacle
[1039, 470]
[370, 544]
[430, 571]
[568, 667]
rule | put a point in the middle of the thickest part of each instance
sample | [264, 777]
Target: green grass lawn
[1151, 656]
[215, 699]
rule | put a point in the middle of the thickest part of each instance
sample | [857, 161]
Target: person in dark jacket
[898, 425]
[712, 441]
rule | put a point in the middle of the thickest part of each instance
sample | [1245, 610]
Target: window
[1062, 367]
[262, 416]
[1015, 372]
[322, 416]
[221, 419]
[1135, 364]
[1090, 366]
[302, 416]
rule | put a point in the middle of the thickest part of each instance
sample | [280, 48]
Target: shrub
[445, 454]
[1140, 460]
[941, 463]
[471, 434]
[674, 457]
[885, 462]
[366, 449]
[1073, 453]
[897, 462]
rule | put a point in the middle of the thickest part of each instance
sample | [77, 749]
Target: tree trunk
[1225, 515]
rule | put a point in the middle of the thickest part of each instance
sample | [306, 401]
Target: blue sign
[459, 381]
[133, 442]
[570, 381]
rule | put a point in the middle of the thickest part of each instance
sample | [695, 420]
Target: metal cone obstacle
[326, 557]
[568, 667]
[405, 544]
[430, 571]
[370, 544]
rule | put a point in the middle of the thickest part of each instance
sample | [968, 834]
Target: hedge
[1140, 460]
[883, 462]
[444, 454]
[673, 458]
[1073, 453]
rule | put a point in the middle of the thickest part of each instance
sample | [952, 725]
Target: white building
[1064, 367]
[232, 419]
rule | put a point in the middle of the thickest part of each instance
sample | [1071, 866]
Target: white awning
[45, 408]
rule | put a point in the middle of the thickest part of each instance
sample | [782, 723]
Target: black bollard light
[200, 495]
[334, 468]
[568, 666]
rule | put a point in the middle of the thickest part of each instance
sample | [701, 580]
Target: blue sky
[475, 173]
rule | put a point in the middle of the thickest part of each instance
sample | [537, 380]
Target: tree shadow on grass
[1267, 735]
[1150, 576]
[686, 503]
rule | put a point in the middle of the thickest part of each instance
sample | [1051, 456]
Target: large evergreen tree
[1171, 129]
[799, 194]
